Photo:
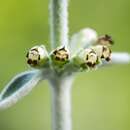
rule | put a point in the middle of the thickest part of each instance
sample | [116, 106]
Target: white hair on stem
[58, 22]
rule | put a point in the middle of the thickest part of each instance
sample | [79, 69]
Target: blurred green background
[100, 99]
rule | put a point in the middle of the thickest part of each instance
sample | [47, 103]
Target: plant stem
[58, 22]
[60, 86]
[61, 103]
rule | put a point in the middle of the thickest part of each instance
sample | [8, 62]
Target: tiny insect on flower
[37, 56]
[105, 40]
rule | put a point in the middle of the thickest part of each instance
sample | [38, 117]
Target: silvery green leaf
[18, 87]
[83, 39]
[118, 58]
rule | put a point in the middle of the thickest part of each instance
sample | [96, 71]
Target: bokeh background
[100, 99]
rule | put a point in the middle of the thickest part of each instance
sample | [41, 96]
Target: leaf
[19, 87]
[120, 58]
[83, 39]
[117, 58]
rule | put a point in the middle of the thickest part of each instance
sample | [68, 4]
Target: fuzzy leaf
[118, 58]
[83, 39]
[18, 87]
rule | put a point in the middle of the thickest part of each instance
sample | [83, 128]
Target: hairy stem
[58, 22]
[61, 87]
[61, 104]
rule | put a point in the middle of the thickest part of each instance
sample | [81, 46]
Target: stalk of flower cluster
[58, 22]
[61, 87]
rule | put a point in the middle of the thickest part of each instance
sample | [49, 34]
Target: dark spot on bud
[87, 57]
[35, 49]
[35, 62]
[102, 56]
[67, 56]
[27, 54]
[57, 58]
[62, 59]
[39, 57]
[62, 49]
[55, 52]
[91, 65]
[108, 59]
[29, 61]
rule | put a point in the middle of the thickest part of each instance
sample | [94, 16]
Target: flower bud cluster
[38, 57]
[87, 58]
[94, 55]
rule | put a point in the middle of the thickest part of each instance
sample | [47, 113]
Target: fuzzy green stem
[58, 22]
[61, 104]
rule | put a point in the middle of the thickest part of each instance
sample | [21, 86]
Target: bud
[105, 40]
[104, 52]
[37, 56]
[60, 56]
[86, 59]
[91, 58]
